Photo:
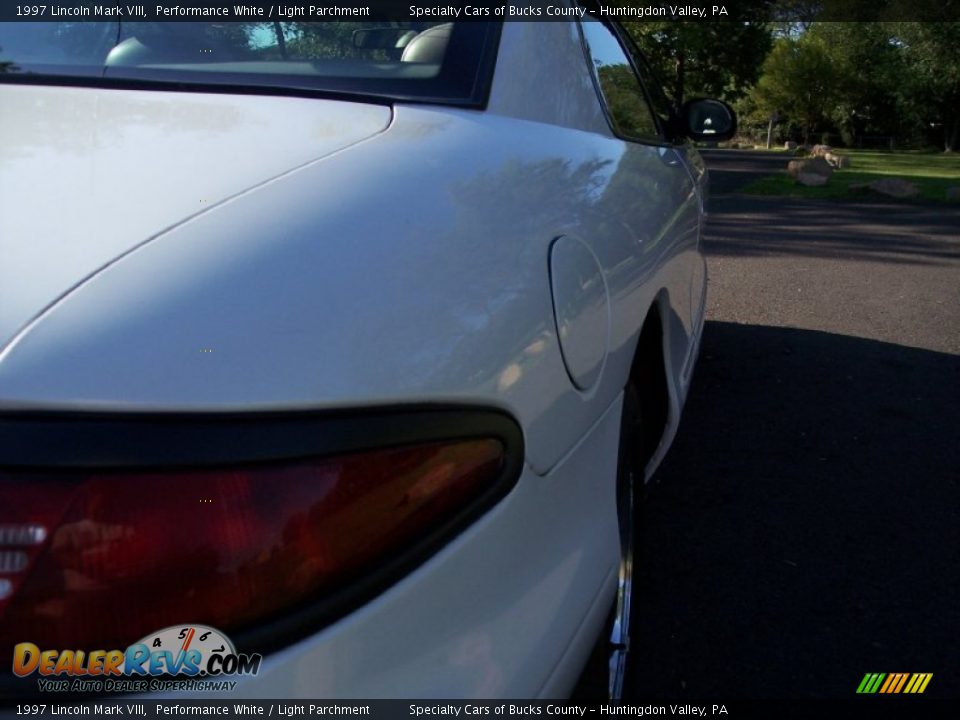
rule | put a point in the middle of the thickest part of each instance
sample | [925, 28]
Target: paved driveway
[806, 528]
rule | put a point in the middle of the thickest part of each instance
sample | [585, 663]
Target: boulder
[812, 179]
[820, 150]
[789, 145]
[811, 166]
[891, 187]
[953, 193]
[837, 161]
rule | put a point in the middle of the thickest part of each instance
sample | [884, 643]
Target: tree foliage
[716, 59]
[930, 88]
[866, 73]
[796, 82]
[860, 78]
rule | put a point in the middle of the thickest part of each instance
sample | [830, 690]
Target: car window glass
[651, 82]
[626, 103]
[436, 61]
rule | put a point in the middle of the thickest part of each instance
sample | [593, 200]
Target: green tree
[718, 59]
[881, 78]
[866, 70]
[798, 83]
[930, 87]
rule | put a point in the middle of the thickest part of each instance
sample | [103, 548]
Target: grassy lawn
[933, 173]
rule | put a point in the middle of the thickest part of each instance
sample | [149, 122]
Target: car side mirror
[707, 120]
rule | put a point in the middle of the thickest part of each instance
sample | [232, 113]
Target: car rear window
[427, 61]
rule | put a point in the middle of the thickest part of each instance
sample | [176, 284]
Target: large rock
[820, 150]
[811, 166]
[789, 145]
[891, 187]
[953, 193]
[837, 161]
[812, 179]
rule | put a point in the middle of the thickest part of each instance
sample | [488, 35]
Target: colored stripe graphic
[871, 683]
[903, 680]
[918, 683]
[894, 683]
[891, 678]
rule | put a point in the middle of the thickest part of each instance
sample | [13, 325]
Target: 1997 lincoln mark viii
[352, 341]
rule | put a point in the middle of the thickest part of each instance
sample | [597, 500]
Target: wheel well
[648, 375]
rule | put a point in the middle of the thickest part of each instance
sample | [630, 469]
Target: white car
[351, 341]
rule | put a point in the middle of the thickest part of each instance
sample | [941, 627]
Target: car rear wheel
[606, 671]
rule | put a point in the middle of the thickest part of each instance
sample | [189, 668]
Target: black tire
[606, 671]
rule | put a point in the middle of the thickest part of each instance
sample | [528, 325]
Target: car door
[656, 193]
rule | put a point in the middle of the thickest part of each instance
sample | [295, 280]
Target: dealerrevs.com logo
[180, 657]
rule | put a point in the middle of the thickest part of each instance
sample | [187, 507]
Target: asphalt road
[805, 529]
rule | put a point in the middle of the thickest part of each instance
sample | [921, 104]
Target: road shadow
[730, 170]
[806, 525]
[770, 226]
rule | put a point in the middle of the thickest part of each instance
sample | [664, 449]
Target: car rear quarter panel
[411, 267]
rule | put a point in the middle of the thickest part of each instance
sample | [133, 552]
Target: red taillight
[98, 559]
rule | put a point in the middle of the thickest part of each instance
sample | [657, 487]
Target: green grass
[933, 173]
[774, 149]
[758, 148]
